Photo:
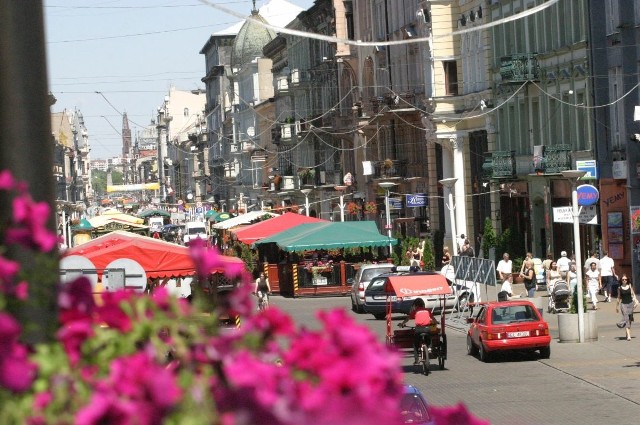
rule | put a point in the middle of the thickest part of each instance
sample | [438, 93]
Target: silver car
[361, 281]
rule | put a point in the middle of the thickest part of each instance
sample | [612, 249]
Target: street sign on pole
[588, 215]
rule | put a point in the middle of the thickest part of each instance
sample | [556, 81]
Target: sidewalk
[611, 363]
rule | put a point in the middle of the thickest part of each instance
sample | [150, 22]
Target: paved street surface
[590, 383]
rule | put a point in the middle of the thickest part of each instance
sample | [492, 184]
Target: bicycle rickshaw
[400, 292]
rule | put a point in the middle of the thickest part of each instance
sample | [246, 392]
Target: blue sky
[131, 51]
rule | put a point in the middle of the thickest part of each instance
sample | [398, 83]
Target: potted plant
[370, 208]
[568, 322]
[306, 175]
[353, 208]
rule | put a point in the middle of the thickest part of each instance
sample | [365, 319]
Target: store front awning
[264, 229]
[329, 235]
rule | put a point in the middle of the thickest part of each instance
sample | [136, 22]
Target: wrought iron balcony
[501, 164]
[519, 67]
[390, 168]
[555, 159]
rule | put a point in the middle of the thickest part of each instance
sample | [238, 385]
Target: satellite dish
[251, 131]
[124, 273]
[74, 266]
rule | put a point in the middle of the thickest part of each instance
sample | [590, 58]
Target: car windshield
[369, 274]
[196, 230]
[413, 410]
[513, 314]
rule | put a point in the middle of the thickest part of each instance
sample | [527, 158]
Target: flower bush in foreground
[150, 359]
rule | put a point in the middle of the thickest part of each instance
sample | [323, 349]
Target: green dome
[250, 40]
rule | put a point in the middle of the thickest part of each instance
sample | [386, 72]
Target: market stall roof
[418, 285]
[84, 225]
[329, 235]
[101, 220]
[243, 219]
[154, 213]
[266, 228]
[157, 257]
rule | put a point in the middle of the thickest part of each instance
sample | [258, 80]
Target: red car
[508, 325]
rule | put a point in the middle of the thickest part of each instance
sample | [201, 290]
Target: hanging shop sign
[587, 195]
[414, 200]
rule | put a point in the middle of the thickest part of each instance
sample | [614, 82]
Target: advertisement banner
[634, 213]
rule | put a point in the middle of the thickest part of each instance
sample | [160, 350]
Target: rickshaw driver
[425, 324]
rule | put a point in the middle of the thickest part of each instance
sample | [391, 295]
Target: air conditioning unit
[234, 148]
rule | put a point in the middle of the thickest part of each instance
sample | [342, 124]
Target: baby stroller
[559, 297]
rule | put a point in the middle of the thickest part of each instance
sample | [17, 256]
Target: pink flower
[30, 221]
[106, 408]
[457, 415]
[8, 271]
[6, 180]
[75, 301]
[209, 260]
[111, 313]
[137, 391]
[16, 371]
[72, 336]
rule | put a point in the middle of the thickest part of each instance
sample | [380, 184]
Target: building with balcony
[240, 119]
[542, 98]
[614, 57]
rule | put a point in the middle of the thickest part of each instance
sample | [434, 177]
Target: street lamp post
[306, 193]
[341, 190]
[386, 186]
[449, 184]
[574, 176]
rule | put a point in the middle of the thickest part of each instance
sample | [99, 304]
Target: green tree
[99, 180]
[428, 256]
[489, 238]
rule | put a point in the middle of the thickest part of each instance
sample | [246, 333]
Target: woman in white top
[553, 275]
[572, 277]
[594, 283]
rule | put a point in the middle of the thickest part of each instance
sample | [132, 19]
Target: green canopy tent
[154, 213]
[329, 235]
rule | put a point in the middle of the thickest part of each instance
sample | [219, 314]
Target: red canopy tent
[266, 228]
[159, 259]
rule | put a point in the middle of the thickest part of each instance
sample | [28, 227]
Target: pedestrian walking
[527, 257]
[572, 277]
[609, 276]
[553, 276]
[564, 264]
[593, 258]
[594, 283]
[529, 276]
[467, 250]
[626, 303]
[505, 267]
[446, 256]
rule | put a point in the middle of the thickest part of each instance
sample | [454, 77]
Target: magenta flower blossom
[16, 371]
[75, 301]
[72, 336]
[137, 391]
[208, 260]
[8, 271]
[457, 415]
[111, 313]
[6, 180]
[30, 221]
